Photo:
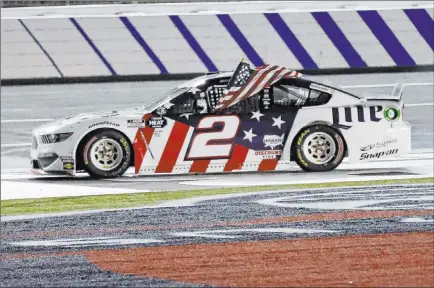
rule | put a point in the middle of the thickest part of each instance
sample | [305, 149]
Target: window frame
[304, 84]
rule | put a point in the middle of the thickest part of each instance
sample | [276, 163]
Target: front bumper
[53, 158]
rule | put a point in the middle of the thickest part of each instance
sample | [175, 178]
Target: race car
[252, 119]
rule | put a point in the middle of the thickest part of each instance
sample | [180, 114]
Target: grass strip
[62, 204]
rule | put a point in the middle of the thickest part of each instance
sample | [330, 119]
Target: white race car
[258, 119]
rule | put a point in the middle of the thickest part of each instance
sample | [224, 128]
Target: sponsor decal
[136, 123]
[268, 154]
[273, 140]
[355, 114]
[302, 136]
[378, 155]
[321, 88]
[161, 110]
[68, 162]
[156, 122]
[68, 166]
[104, 123]
[381, 144]
[392, 113]
[66, 158]
[125, 144]
[301, 158]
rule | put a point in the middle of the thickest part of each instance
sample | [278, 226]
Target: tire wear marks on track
[267, 220]
[372, 260]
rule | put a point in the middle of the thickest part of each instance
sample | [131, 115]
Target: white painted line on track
[15, 145]
[251, 182]
[24, 190]
[386, 85]
[26, 120]
[418, 104]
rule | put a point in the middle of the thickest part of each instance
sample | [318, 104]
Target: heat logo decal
[156, 122]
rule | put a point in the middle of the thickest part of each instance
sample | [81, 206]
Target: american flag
[246, 82]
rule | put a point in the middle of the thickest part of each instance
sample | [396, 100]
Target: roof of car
[209, 76]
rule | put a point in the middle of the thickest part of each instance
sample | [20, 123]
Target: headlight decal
[55, 138]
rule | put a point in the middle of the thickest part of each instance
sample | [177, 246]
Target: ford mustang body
[261, 119]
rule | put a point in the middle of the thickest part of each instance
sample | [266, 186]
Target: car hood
[58, 124]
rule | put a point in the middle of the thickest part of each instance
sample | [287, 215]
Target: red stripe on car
[139, 145]
[199, 166]
[268, 165]
[173, 147]
[237, 160]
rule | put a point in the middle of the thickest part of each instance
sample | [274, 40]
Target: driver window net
[214, 93]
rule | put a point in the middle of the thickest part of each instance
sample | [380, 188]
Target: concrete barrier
[161, 39]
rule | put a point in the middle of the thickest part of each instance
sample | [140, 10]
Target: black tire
[303, 157]
[110, 137]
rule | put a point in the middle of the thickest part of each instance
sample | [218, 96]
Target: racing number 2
[212, 144]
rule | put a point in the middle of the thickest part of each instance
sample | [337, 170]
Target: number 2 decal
[210, 143]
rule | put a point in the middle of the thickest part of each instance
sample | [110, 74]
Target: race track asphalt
[376, 236]
[46, 102]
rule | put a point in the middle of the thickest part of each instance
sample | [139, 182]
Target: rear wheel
[106, 154]
[319, 148]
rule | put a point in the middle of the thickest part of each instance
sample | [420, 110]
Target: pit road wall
[163, 39]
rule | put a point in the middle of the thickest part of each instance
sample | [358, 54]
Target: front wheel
[106, 154]
[319, 148]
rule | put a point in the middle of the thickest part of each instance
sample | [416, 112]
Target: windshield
[162, 99]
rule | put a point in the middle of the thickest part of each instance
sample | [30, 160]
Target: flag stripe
[199, 166]
[173, 147]
[291, 40]
[238, 157]
[241, 40]
[262, 76]
[275, 75]
[253, 85]
[339, 39]
[423, 23]
[232, 94]
[386, 37]
[247, 87]
[140, 146]
[193, 43]
[268, 165]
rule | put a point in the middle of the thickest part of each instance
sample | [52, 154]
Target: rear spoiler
[395, 96]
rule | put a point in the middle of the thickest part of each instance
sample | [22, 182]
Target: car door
[209, 137]
[249, 135]
[190, 135]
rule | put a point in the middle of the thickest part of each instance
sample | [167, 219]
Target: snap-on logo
[378, 155]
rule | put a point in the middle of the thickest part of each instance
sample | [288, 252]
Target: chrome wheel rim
[106, 154]
[319, 148]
